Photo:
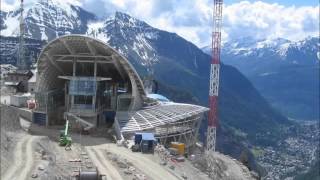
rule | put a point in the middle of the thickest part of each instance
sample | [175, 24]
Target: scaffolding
[169, 122]
[184, 131]
[49, 101]
[159, 115]
[50, 104]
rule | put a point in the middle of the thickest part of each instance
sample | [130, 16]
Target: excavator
[65, 139]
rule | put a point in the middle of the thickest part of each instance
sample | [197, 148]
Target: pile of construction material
[175, 153]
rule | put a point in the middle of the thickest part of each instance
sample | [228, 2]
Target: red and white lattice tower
[214, 76]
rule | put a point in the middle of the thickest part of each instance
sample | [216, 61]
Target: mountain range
[180, 67]
[285, 72]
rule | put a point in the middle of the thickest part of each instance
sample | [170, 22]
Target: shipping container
[18, 101]
[179, 146]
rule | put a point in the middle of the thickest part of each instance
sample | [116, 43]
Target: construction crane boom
[214, 76]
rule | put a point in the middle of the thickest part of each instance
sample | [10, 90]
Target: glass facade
[85, 86]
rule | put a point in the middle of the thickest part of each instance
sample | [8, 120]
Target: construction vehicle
[65, 139]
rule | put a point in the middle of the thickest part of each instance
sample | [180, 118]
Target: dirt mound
[225, 168]
[11, 134]
[9, 118]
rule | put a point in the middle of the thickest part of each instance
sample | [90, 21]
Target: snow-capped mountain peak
[278, 42]
[278, 48]
[46, 19]
[123, 27]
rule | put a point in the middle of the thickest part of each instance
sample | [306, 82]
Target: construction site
[84, 113]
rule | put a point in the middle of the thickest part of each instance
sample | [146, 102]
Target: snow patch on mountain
[267, 73]
[120, 27]
[142, 47]
[283, 49]
[248, 47]
[95, 29]
[151, 35]
[11, 24]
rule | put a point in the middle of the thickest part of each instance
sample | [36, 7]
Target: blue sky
[191, 19]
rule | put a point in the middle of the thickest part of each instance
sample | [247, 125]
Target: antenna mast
[214, 76]
[21, 57]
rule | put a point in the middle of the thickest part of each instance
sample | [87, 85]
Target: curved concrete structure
[57, 56]
[89, 83]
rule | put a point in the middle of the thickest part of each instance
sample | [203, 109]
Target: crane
[214, 81]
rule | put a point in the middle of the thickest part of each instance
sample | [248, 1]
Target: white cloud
[192, 19]
[263, 20]
[8, 5]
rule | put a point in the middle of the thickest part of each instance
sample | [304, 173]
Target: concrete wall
[31, 87]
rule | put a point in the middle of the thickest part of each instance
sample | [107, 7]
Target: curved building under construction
[86, 81]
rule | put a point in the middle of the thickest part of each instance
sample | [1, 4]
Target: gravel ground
[37, 153]
[11, 133]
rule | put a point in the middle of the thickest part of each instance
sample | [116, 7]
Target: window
[84, 86]
[82, 99]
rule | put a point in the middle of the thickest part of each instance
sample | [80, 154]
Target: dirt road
[103, 164]
[146, 165]
[22, 161]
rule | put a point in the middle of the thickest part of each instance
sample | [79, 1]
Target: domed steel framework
[87, 81]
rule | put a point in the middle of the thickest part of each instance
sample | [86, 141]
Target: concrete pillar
[95, 78]
[66, 98]
[47, 114]
[94, 100]
[74, 70]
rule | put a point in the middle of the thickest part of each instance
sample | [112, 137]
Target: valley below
[295, 152]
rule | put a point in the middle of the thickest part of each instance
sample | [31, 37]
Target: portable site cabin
[146, 141]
